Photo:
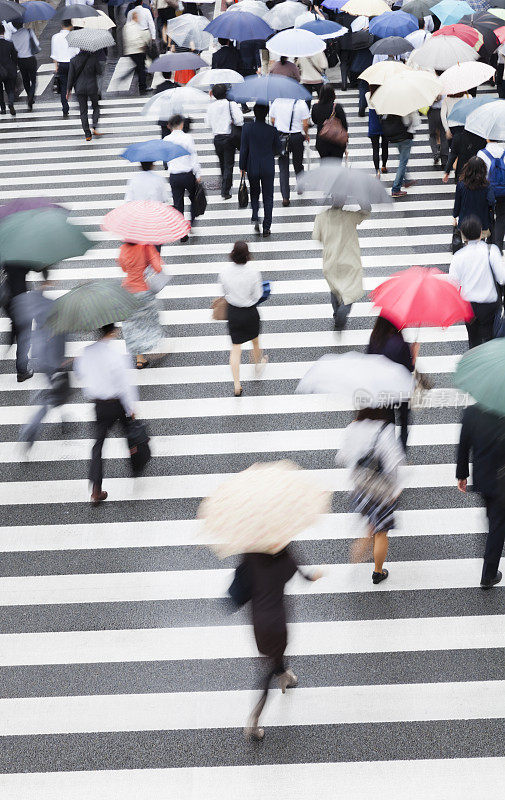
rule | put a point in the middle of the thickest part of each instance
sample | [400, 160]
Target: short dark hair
[260, 111]
[421, 23]
[380, 413]
[240, 253]
[106, 329]
[327, 94]
[146, 165]
[66, 23]
[223, 42]
[219, 91]
[175, 121]
[2, 29]
[18, 23]
[167, 75]
[283, 59]
[471, 228]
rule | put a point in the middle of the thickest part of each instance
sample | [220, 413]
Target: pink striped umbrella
[146, 222]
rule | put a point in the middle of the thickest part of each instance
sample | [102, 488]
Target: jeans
[404, 148]
[139, 59]
[495, 510]
[499, 222]
[108, 412]
[480, 329]
[63, 76]
[82, 99]
[180, 183]
[295, 147]
[225, 151]
[266, 182]
[376, 139]
[28, 70]
[435, 126]
[340, 311]
[10, 87]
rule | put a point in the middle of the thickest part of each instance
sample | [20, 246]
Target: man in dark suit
[8, 70]
[260, 143]
[227, 57]
[483, 434]
[83, 73]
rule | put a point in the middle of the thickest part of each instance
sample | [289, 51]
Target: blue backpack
[496, 175]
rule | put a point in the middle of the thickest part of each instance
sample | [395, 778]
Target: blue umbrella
[393, 23]
[265, 88]
[464, 107]
[451, 11]
[324, 28]
[37, 11]
[153, 150]
[334, 5]
[241, 27]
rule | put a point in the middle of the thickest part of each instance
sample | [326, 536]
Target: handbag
[333, 131]
[236, 130]
[285, 137]
[369, 477]
[457, 240]
[138, 444]
[200, 203]
[240, 589]
[34, 47]
[266, 292]
[243, 193]
[60, 387]
[156, 281]
[56, 84]
[219, 308]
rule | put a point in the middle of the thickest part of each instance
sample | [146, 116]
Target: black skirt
[243, 323]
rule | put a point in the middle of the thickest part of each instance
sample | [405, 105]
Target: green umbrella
[39, 238]
[481, 373]
[92, 305]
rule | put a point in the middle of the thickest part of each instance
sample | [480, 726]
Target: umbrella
[90, 306]
[465, 76]
[393, 23]
[283, 15]
[365, 380]
[174, 101]
[210, 77]
[295, 43]
[324, 28]
[37, 11]
[188, 30]
[75, 11]
[90, 40]
[153, 150]
[484, 21]
[40, 238]
[27, 204]
[406, 91]
[391, 46]
[469, 35]
[261, 509]
[101, 23]
[421, 296]
[146, 222]
[10, 11]
[334, 5]
[344, 186]
[241, 27]
[488, 121]
[442, 52]
[251, 6]
[264, 89]
[419, 8]
[451, 11]
[481, 372]
[464, 107]
[498, 12]
[365, 8]
[500, 34]
[378, 73]
[171, 61]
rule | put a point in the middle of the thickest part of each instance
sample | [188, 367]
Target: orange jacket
[134, 260]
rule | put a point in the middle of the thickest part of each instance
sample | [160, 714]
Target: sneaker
[384, 170]
[400, 193]
[436, 161]
[488, 583]
[25, 376]
[409, 183]
[378, 577]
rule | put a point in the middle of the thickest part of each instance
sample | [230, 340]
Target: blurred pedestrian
[464, 145]
[8, 72]
[135, 42]
[260, 144]
[325, 107]
[400, 132]
[223, 118]
[474, 196]
[291, 118]
[147, 185]
[62, 53]
[21, 322]
[144, 17]
[285, 67]
[438, 140]
[242, 288]
[313, 72]
[380, 146]
[105, 374]
[165, 11]
[83, 74]
[27, 45]
[142, 330]
[184, 171]
[493, 156]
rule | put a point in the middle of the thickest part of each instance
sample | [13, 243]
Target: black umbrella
[391, 46]
[10, 11]
[485, 23]
[74, 11]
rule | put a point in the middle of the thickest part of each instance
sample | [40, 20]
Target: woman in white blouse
[242, 288]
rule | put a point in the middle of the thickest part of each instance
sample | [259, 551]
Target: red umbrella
[421, 296]
[467, 34]
[500, 34]
[146, 222]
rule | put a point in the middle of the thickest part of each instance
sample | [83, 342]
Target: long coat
[259, 144]
[342, 268]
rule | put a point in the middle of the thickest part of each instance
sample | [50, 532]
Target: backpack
[496, 175]
[394, 128]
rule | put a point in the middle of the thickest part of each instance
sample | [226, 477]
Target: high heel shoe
[252, 731]
[287, 680]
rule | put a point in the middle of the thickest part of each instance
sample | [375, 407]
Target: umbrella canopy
[90, 40]
[10, 11]
[27, 204]
[101, 23]
[210, 77]
[378, 73]
[153, 150]
[406, 92]
[261, 509]
[175, 101]
[469, 35]
[146, 222]
[364, 380]
[462, 77]
[295, 43]
[391, 46]
[37, 11]
[500, 34]
[442, 52]
[283, 15]
[464, 107]
[265, 88]
[344, 186]
[40, 238]
[451, 11]
[365, 8]
[75, 11]
[483, 21]
[90, 306]
[393, 23]
[421, 296]
[481, 372]
[188, 30]
[498, 12]
[334, 5]
[488, 121]
[251, 6]
[324, 28]
[171, 61]
[419, 8]
[241, 27]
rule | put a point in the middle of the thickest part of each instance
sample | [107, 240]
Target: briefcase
[200, 200]
[138, 444]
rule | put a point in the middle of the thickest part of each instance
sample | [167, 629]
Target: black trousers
[28, 70]
[139, 59]
[495, 510]
[82, 99]
[180, 183]
[266, 184]
[346, 57]
[225, 151]
[399, 415]
[435, 126]
[10, 87]
[376, 141]
[499, 222]
[295, 147]
[63, 76]
[108, 412]
[480, 329]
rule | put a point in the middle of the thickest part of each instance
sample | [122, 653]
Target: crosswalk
[122, 673]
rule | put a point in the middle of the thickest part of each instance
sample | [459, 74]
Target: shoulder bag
[369, 477]
[156, 281]
[219, 309]
[266, 293]
[333, 131]
[285, 137]
[138, 444]
[200, 199]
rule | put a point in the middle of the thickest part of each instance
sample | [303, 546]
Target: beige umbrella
[406, 92]
[100, 23]
[378, 73]
[261, 509]
[442, 52]
[366, 8]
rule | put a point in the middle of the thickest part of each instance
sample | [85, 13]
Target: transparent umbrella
[210, 77]
[344, 186]
[283, 15]
[296, 43]
[175, 101]
[188, 31]
[488, 121]
[251, 6]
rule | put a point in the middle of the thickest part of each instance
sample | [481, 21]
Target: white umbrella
[102, 22]
[465, 76]
[175, 101]
[488, 121]
[406, 92]
[283, 15]
[256, 7]
[366, 8]
[363, 380]
[442, 52]
[307, 16]
[188, 31]
[378, 73]
[210, 77]
[296, 43]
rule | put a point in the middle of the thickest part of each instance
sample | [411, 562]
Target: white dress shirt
[418, 38]
[104, 372]
[471, 270]
[220, 114]
[187, 163]
[60, 49]
[497, 150]
[147, 186]
[242, 284]
[144, 19]
[21, 40]
[79, 2]
[281, 110]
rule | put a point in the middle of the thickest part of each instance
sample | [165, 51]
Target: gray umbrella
[10, 11]
[344, 186]
[75, 11]
[391, 46]
[90, 40]
[418, 8]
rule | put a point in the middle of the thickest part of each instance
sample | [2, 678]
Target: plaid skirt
[142, 331]
[380, 514]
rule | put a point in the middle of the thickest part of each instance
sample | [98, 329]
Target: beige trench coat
[342, 268]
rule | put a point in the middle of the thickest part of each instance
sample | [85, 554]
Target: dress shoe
[226, 196]
[65, 115]
[401, 193]
[88, 138]
[286, 203]
[97, 496]
[25, 376]
[12, 111]
[384, 170]
[30, 104]
[266, 232]
[185, 238]
[488, 583]
[256, 224]
[96, 134]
